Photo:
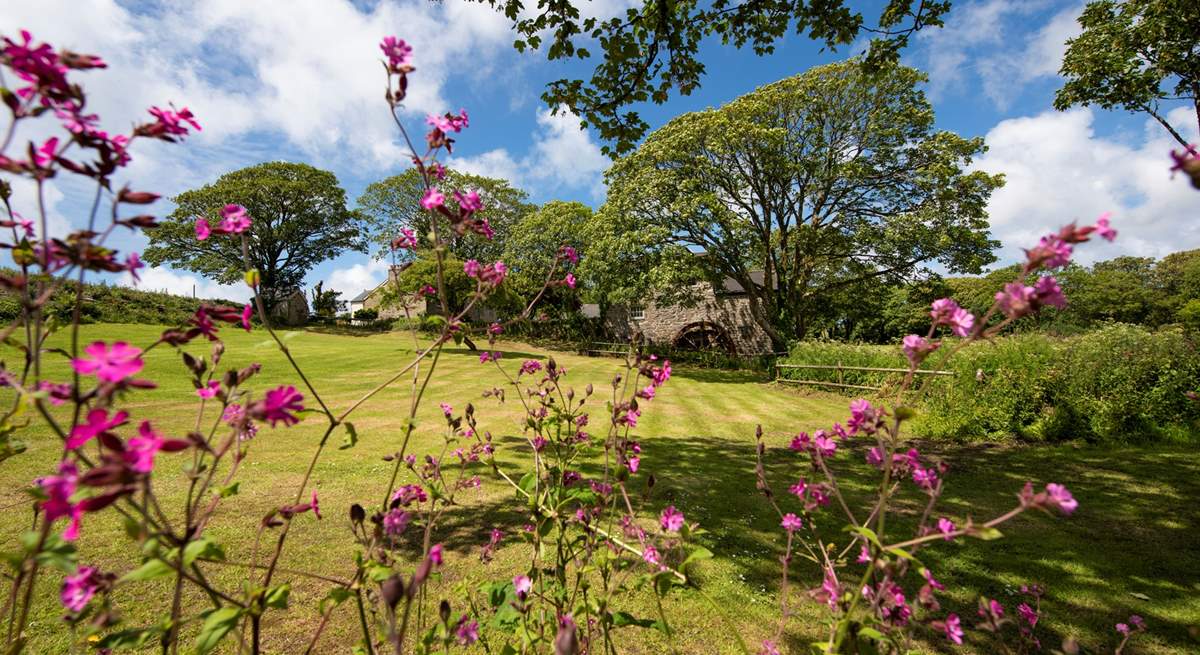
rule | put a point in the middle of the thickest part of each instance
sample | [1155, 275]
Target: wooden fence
[841, 379]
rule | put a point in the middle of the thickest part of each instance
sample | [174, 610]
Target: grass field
[1132, 547]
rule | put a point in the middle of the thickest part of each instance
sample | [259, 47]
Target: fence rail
[841, 369]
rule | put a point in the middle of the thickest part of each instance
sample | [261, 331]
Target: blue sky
[300, 81]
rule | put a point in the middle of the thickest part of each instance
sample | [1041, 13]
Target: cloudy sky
[299, 80]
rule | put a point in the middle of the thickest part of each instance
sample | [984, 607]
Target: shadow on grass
[1134, 532]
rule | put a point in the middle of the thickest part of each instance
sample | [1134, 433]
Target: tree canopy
[299, 219]
[653, 48]
[394, 203]
[807, 187]
[1135, 54]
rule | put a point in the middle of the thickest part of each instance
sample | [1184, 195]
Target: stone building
[721, 320]
[373, 298]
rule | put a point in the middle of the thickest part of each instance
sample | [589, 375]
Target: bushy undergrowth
[1121, 383]
[105, 303]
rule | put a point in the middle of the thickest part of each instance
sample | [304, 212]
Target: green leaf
[871, 633]
[622, 619]
[987, 534]
[151, 569]
[337, 596]
[866, 532]
[202, 548]
[698, 554]
[57, 553]
[230, 490]
[131, 638]
[217, 623]
[351, 437]
[278, 597]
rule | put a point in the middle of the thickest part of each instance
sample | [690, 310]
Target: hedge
[1120, 383]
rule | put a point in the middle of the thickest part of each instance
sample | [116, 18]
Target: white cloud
[357, 278]
[182, 284]
[998, 43]
[1058, 170]
[308, 70]
[563, 155]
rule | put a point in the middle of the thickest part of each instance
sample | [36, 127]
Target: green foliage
[535, 239]
[300, 220]
[1134, 54]
[392, 204]
[1120, 383]
[366, 314]
[828, 182]
[652, 49]
[115, 304]
[325, 302]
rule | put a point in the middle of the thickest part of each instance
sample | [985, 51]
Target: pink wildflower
[58, 490]
[1104, 229]
[1028, 613]
[432, 198]
[133, 264]
[1016, 300]
[946, 527]
[247, 312]
[209, 391]
[953, 628]
[435, 554]
[398, 53]
[791, 522]
[916, 348]
[523, 585]
[468, 202]
[570, 280]
[471, 267]
[280, 404]
[467, 632]
[1060, 498]
[671, 519]
[1049, 293]
[142, 448]
[97, 423]
[234, 219]
[79, 588]
[203, 230]
[113, 364]
[395, 522]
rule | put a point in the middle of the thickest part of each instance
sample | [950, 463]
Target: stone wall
[730, 313]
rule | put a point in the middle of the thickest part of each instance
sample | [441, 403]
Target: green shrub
[1121, 384]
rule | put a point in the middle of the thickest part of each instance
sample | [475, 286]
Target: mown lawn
[1132, 547]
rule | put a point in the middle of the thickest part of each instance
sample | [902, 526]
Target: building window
[637, 313]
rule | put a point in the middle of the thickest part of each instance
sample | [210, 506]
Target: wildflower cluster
[885, 598]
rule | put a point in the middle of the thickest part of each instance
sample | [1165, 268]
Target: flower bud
[357, 513]
[392, 590]
[136, 197]
[444, 610]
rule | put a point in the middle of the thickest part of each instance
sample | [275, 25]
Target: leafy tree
[535, 239]
[325, 302]
[394, 203]
[300, 220]
[1122, 290]
[653, 48]
[1135, 54]
[824, 181]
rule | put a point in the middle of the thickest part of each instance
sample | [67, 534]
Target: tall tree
[653, 49]
[393, 203]
[536, 238]
[1135, 54]
[299, 219]
[823, 181]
